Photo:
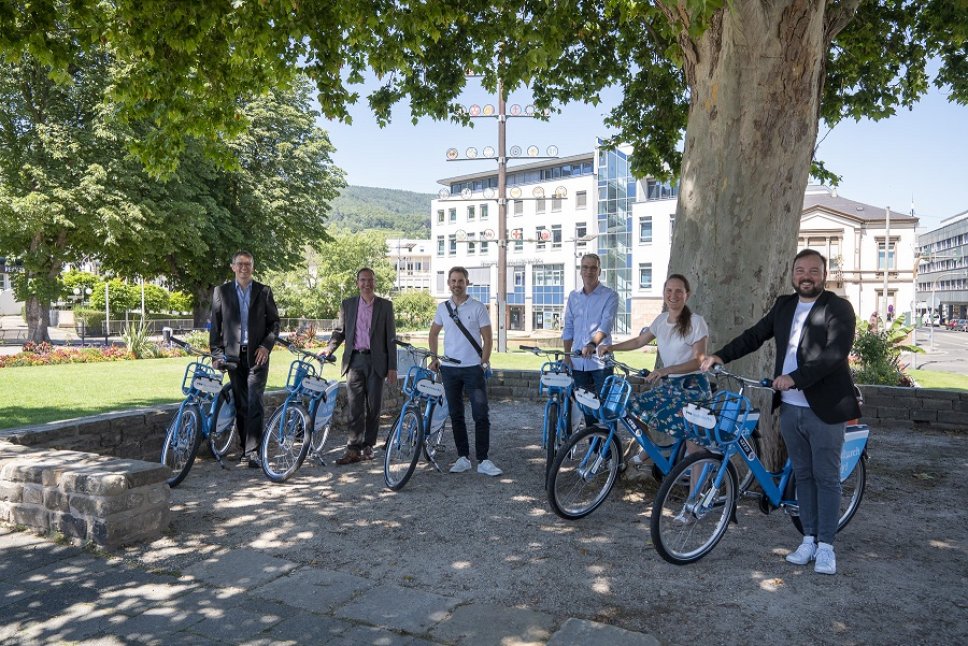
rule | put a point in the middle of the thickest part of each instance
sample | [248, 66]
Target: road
[949, 354]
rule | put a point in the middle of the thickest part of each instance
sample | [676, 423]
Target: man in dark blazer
[245, 324]
[814, 332]
[366, 325]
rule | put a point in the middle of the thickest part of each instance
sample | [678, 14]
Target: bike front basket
[299, 370]
[719, 420]
[201, 378]
[611, 402]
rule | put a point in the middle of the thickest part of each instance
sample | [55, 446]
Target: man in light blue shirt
[589, 317]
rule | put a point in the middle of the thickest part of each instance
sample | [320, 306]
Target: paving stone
[397, 608]
[592, 633]
[373, 636]
[303, 628]
[315, 590]
[244, 568]
[248, 620]
[489, 624]
[156, 625]
[21, 553]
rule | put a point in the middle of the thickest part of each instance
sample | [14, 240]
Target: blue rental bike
[697, 500]
[420, 426]
[556, 382]
[586, 467]
[300, 426]
[208, 411]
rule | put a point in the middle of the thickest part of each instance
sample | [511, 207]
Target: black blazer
[383, 354]
[822, 370]
[226, 333]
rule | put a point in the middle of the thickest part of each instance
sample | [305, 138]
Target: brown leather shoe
[350, 457]
[367, 452]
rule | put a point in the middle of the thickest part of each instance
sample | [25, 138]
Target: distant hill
[387, 209]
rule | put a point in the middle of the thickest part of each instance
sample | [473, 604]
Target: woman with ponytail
[681, 339]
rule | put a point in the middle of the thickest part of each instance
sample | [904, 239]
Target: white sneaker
[462, 465]
[488, 468]
[826, 561]
[804, 554]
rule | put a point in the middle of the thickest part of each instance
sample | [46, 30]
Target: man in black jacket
[814, 332]
[245, 324]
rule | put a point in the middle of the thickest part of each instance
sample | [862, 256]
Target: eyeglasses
[241, 265]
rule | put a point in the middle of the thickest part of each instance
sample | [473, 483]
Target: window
[519, 278]
[645, 229]
[672, 226]
[891, 254]
[645, 275]
[556, 205]
[517, 235]
[453, 214]
[833, 255]
[581, 199]
[484, 245]
[471, 213]
[483, 211]
[440, 216]
[581, 230]
[518, 207]
[441, 282]
[440, 245]
[471, 243]
[549, 275]
[539, 205]
[452, 245]
[541, 235]
[556, 236]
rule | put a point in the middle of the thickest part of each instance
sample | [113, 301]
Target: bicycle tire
[318, 441]
[851, 494]
[285, 442]
[220, 439]
[433, 444]
[182, 439]
[680, 521]
[550, 437]
[403, 448]
[588, 461]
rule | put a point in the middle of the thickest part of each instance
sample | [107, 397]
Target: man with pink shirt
[366, 325]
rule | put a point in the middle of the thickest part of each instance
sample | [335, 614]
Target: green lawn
[41, 394]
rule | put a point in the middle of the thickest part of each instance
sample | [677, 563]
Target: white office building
[629, 222]
[411, 259]
[943, 270]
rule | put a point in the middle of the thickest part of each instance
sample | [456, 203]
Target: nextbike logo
[848, 455]
[747, 449]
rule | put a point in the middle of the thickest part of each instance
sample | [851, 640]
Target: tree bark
[38, 319]
[203, 306]
[755, 79]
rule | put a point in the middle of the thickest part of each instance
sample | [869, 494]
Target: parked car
[962, 325]
[952, 324]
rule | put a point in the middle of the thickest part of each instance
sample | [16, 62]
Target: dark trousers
[470, 380]
[364, 394]
[249, 386]
[592, 380]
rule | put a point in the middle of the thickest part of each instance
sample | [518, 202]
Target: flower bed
[44, 354]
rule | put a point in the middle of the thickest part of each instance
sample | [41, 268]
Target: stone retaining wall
[107, 501]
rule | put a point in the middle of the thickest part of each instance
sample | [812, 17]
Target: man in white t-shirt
[814, 332]
[467, 338]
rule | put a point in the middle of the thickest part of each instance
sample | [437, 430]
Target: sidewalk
[53, 593]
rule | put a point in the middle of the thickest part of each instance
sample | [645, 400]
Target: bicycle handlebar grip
[529, 348]
[178, 342]
[327, 359]
[766, 383]
[402, 344]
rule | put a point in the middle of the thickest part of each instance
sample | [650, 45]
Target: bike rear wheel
[403, 448]
[852, 492]
[583, 473]
[285, 442]
[690, 515]
[320, 435]
[220, 439]
[182, 439]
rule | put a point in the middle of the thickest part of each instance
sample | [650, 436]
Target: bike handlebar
[414, 350]
[629, 371]
[312, 355]
[720, 371]
[224, 363]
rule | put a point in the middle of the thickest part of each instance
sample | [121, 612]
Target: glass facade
[616, 194]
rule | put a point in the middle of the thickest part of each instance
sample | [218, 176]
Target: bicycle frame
[306, 384]
[201, 385]
[421, 385]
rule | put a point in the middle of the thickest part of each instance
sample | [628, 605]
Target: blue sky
[921, 153]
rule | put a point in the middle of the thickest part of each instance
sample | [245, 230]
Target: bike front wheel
[852, 492]
[403, 448]
[550, 437]
[182, 439]
[220, 439]
[690, 513]
[285, 442]
[584, 472]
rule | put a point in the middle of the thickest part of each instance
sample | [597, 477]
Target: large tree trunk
[38, 319]
[203, 306]
[755, 79]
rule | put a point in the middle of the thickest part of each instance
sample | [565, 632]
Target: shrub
[304, 337]
[877, 354]
[137, 338]
[44, 355]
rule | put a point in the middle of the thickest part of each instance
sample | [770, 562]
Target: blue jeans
[469, 380]
[592, 380]
[814, 447]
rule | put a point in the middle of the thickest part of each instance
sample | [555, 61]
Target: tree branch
[838, 17]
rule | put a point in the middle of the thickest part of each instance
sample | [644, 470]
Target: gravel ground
[903, 567]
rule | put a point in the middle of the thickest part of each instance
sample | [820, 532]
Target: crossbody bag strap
[460, 326]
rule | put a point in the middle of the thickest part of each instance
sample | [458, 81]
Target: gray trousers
[814, 447]
[364, 394]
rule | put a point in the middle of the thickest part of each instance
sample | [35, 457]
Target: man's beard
[809, 292]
